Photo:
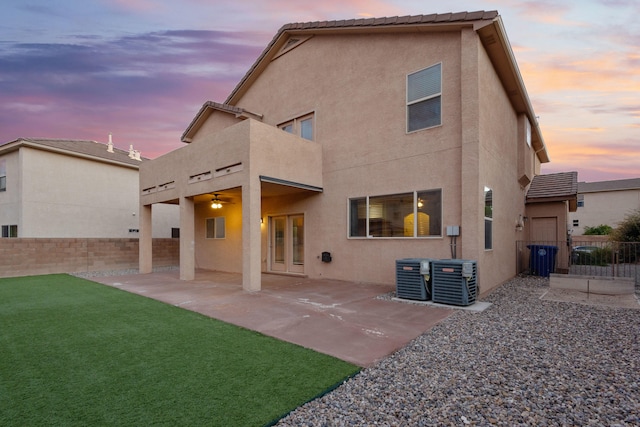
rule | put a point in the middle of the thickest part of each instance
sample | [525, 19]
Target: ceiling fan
[216, 203]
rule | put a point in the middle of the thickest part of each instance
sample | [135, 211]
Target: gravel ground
[523, 361]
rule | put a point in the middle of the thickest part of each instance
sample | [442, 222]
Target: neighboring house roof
[487, 24]
[616, 185]
[79, 148]
[555, 187]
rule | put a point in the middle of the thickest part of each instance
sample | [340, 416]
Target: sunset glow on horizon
[141, 69]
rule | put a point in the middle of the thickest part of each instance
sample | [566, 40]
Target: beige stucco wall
[500, 166]
[607, 207]
[54, 195]
[475, 146]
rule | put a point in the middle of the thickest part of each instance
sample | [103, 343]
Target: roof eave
[496, 43]
[19, 143]
[206, 110]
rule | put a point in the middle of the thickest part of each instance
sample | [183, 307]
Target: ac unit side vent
[449, 286]
[410, 282]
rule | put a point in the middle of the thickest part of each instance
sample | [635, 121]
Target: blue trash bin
[542, 259]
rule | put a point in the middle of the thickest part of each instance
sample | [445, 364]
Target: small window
[9, 231]
[424, 98]
[306, 128]
[215, 228]
[488, 218]
[3, 175]
[301, 126]
[175, 233]
[580, 200]
[576, 223]
[288, 127]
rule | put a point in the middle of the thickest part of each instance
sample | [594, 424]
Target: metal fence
[585, 258]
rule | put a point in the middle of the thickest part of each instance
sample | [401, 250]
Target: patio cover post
[251, 235]
[187, 239]
[145, 242]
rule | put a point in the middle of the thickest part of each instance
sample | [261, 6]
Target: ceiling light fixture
[216, 203]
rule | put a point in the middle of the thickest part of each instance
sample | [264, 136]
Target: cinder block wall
[25, 257]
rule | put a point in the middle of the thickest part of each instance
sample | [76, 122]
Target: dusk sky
[141, 69]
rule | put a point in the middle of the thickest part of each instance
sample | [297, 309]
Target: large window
[9, 231]
[3, 175]
[424, 98]
[488, 218]
[414, 214]
[216, 228]
[301, 126]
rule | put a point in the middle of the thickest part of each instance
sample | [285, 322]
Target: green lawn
[74, 352]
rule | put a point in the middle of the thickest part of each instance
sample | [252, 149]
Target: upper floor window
[3, 175]
[301, 126]
[414, 214]
[424, 98]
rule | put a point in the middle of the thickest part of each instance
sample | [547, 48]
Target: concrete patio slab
[343, 319]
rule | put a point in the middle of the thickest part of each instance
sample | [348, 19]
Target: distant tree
[600, 230]
[627, 230]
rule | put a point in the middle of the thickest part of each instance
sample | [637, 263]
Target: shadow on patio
[342, 319]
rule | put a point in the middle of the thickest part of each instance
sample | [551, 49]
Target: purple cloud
[149, 86]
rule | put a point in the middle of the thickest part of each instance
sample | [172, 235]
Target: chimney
[132, 153]
[110, 144]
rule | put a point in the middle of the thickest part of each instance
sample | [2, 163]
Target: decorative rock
[523, 361]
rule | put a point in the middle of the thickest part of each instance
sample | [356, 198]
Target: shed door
[544, 229]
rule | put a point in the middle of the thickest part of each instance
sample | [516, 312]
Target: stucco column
[145, 241]
[471, 211]
[251, 236]
[187, 239]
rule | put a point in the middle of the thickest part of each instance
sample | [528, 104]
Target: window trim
[487, 220]
[215, 220]
[367, 205]
[9, 231]
[417, 101]
[3, 174]
[296, 125]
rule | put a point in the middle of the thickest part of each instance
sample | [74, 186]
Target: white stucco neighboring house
[63, 188]
[604, 203]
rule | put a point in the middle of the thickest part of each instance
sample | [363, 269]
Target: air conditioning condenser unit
[454, 282]
[413, 278]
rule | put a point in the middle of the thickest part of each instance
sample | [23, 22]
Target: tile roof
[394, 20]
[616, 185]
[553, 187]
[85, 148]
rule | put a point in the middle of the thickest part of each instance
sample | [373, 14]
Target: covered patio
[343, 319]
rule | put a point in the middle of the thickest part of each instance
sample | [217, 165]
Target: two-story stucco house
[58, 188]
[351, 144]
